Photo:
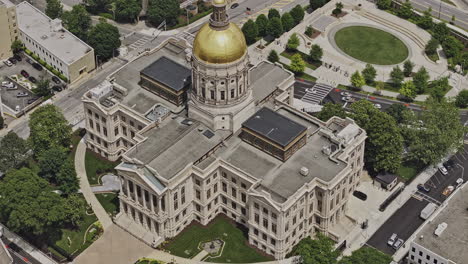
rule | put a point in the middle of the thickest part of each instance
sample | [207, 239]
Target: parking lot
[406, 220]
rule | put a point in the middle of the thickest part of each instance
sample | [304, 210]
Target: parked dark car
[360, 195]
[37, 66]
[449, 164]
[32, 79]
[234, 5]
[32, 100]
[28, 60]
[17, 57]
[423, 188]
[56, 80]
[22, 94]
[57, 88]
[25, 74]
[12, 60]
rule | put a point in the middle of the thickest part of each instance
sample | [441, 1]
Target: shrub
[106, 15]
[61, 76]
[28, 52]
[309, 31]
[55, 72]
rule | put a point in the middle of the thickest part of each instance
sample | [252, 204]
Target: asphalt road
[446, 11]
[18, 255]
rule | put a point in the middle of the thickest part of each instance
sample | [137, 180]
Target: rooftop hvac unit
[304, 171]
[440, 229]
[326, 150]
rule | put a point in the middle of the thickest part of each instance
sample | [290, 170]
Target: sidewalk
[101, 214]
[28, 248]
[419, 98]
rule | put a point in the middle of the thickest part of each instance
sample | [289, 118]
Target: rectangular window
[212, 93]
[197, 182]
[222, 95]
[208, 194]
[232, 93]
[273, 228]
[116, 131]
[132, 123]
[233, 192]
[197, 194]
[215, 188]
[265, 223]
[257, 218]
[243, 197]
[224, 187]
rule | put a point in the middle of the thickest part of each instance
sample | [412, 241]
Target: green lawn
[305, 57]
[235, 249]
[407, 170]
[148, 261]
[96, 166]
[109, 201]
[371, 45]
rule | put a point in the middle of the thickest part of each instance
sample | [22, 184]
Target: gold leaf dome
[219, 46]
[219, 2]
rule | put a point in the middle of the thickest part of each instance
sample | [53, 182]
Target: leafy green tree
[309, 31]
[160, 10]
[384, 4]
[273, 13]
[105, 39]
[315, 4]
[297, 13]
[43, 88]
[262, 25]
[273, 56]
[408, 90]
[77, 21]
[462, 99]
[338, 9]
[431, 46]
[13, 151]
[408, 68]
[293, 42]
[49, 129]
[397, 76]
[316, 251]
[438, 88]
[357, 80]
[379, 87]
[397, 111]
[369, 73]
[384, 142]
[97, 6]
[297, 64]
[50, 162]
[54, 9]
[127, 10]
[421, 80]
[452, 46]
[250, 31]
[442, 132]
[366, 255]
[405, 10]
[330, 110]
[316, 53]
[75, 208]
[66, 178]
[287, 21]
[425, 22]
[440, 31]
[28, 205]
[17, 46]
[275, 28]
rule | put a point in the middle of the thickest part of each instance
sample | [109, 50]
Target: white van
[428, 211]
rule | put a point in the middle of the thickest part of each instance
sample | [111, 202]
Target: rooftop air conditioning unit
[304, 171]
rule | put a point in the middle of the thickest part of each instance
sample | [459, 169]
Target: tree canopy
[384, 4]
[273, 56]
[105, 39]
[13, 151]
[127, 10]
[287, 21]
[297, 13]
[297, 64]
[54, 9]
[160, 10]
[315, 53]
[366, 255]
[408, 68]
[405, 10]
[250, 31]
[357, 80]
[398, 112]
[408, 90]
[293, 42]
[316, 251]
[315, 4]
[50, 162]
[275, 28]
[43, 88]
[262, 25]
[462, 99]
[330, 110]
[421, 80]
[397, 76]
[369, 73]
[273, 13]
[66, 178]
[77, 21]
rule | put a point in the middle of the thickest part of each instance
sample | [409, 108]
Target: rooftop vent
[304, 171]
[440, 229]
[43, 37]
[326, 150]
[208, 134]
[187, 122]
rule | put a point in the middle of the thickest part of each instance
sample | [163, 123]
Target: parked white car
[8, 63]
[443, 170]
[459, 183]
[9, 85]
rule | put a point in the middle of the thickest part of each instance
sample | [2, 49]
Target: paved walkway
[101, 214]
[110, 183]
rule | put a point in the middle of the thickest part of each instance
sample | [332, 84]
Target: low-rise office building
[8, 28]
[52, 43]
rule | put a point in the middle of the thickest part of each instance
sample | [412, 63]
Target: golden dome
[219, 2]
[219, 46]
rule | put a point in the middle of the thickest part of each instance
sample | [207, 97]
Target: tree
[309, 31]
[408, 68]
[75, 208]
[316, 251]
[408, 90]
[28, 205]
[379, 87]
[405, 10]
[366, 255]
[293, 42]
[442, 132]
[357, 80]
[17, 46]
[431, 46]
[66, 178]
[397, 111]
[330, 110]
[287, 21]
[369, 73]
[384, 142]
[250, 31]
[462, 99]
[127, 10]
[43, 88]
[440, 31]
[315, 4]
[49, 129]
[316, 53]
[452, 46]
[77, 21]
[105, 39]
[54, 9]
[384, 4]
[425, 22]
[338, 9]
[13, 151]
[420, 80]
[438, 88]
[397, 76]
[160, 10]
[273, 13]
[273, 56]
[297, 13]
[50, 162]
[262, 25]
[97, 6]
[297, 64]
[275, 28]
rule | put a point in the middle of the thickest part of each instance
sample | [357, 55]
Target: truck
[428, 211]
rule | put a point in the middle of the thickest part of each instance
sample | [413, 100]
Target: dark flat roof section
[169, 73]
[273, 126]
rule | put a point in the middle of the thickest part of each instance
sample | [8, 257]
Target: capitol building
[200, 132]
